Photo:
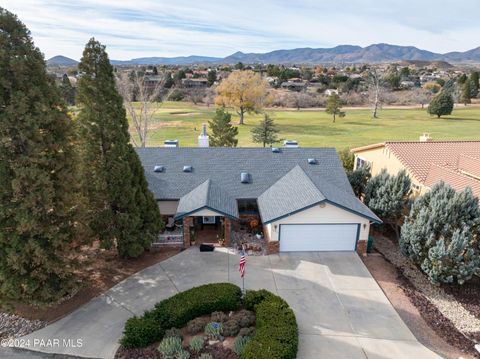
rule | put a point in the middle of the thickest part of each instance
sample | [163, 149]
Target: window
[360, 162]
[247, 206]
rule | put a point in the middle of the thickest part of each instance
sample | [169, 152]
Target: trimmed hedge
[277, 330]
[176, 311]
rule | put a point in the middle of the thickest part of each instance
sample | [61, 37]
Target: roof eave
[371, 219]
[186, 214]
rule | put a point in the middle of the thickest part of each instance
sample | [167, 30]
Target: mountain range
[340, 54]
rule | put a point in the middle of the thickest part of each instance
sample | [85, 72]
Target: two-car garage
[318, 237]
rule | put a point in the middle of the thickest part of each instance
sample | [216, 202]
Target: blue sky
[218, 28]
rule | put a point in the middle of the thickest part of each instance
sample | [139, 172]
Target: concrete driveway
[340, 309]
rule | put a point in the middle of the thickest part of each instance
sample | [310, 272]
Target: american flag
[242, 265]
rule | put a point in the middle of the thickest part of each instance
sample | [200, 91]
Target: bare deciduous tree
[142, 95]
[375, 91]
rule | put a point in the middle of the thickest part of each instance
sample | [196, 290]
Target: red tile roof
[418, 157]
[454, 178]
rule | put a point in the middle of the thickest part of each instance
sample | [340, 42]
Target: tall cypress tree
[122, 210]
[37, 174]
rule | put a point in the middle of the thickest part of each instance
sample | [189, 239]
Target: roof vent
[187, 168]
[275, 150]
[159, 169]
[245, 177]
[170, 143]
[290, 144]
[425, 137]
[312, 161]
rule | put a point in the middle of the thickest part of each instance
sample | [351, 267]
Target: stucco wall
[380, 158]
[167, 208]
[328, 214]
[205, 212]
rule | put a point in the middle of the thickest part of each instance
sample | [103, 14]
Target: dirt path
[392, 285]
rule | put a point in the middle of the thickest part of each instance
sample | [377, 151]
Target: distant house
[330, 92]
[426, 162]
[294, 85]
[153, 81]
[195, 83]
[407, 84]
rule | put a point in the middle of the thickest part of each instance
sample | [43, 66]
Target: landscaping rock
[13, 326]
[446, 304]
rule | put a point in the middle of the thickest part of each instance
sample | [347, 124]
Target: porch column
[228, 230]
[187, 222]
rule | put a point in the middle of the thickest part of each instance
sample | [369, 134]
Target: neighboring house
[294, 85]
[195, 83]
[300, 197]
[426, 162]
[330, 92]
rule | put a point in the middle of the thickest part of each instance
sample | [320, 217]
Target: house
[299, 197]
[427, 162]
[330, 92]
[195, 83]
[294, 85]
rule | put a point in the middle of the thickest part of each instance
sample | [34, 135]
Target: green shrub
[176, 311]
[170, 346]
[176, 95]
[239, 345]
[196, 325]
[173, 332]
[230, 327]
[205, 356]
[219, 317]
[245, 318]
[196, 344]
[254, 297]
[442, 234]
[182, 354]
[276, 332]
[141, 332]
[213, 330]
[247, 332]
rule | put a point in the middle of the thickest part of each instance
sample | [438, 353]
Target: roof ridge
[432, 141]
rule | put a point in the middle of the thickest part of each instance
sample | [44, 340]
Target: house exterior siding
[167, 208]
[381, 157]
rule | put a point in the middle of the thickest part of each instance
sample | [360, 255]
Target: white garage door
[318, 237]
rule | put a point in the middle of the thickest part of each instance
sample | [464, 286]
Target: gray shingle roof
[223, 167]
[291, 193]
[207, 195]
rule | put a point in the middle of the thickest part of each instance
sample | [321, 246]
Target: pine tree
[122, 210]
[334, 106]
[359, 179]
[37, 174]
[466, 93]
[67, 90]
[266, 132]
[388, 197]
[475, 83]
[442, 234]
[441, 105]
[223, 133]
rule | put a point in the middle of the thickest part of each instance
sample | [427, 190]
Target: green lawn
[183, 121]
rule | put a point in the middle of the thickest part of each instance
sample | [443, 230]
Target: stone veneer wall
[187, 222]
[362, 248]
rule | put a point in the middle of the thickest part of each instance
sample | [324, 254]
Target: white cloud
[218, 28]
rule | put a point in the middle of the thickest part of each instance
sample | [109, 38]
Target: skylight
[245, 177]
[187, 168]
[159, 169]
